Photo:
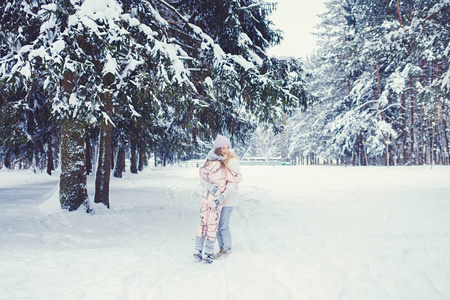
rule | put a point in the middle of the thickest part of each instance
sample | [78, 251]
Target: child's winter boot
[198, 255]
[209, 258]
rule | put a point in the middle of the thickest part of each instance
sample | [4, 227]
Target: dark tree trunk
[88, 153]
[72, 183]
[113, 150]
[120, 163]
[133, 149]
[141, 160]
[142, 151]
[446, 142]
[404, 132]
[104, 157]
[50, 165]
[8, 159]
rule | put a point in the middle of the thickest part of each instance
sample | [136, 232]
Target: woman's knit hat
[221, 141]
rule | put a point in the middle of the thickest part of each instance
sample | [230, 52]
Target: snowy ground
[300, 233]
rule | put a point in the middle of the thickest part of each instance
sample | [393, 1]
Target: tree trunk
[87, 138]
[72, 183]
[103, 167]
[104, 156]
[411, 85]
[120, 163]
[404, 132]
[141, 159]
[365, 151]
[445, 130]
[446, 140]
[388, 155]
[8, 164]
[113, 150]
[380, 108]
[133, 149]
[398, 13]
[50, 165]
[142, 151]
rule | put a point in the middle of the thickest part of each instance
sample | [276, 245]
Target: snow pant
[207, 230]
[224, 233]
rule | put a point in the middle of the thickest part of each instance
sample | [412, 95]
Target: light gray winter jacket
[232, 191]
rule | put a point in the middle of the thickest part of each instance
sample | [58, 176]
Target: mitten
[217, 201]
[214, 189]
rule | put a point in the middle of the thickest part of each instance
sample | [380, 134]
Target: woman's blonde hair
[231, 155]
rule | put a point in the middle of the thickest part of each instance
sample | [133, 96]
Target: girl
[217, 176]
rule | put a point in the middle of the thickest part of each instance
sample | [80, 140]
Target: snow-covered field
[312, 232]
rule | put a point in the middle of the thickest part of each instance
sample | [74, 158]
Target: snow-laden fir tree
[26, 127]
[149, 76]
[385, 73]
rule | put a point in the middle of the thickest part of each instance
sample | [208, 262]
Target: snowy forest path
[298, 233]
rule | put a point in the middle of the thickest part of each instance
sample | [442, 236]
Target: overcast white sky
[297, 19]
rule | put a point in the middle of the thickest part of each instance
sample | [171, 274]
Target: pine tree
[28, 135]
[373, 75]
[146, 78]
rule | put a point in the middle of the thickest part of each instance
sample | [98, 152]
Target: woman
[217, 177]
[231, 197]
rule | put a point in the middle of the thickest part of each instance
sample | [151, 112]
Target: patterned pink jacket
[214, 173]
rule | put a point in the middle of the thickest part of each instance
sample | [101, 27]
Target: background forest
[381, 78]
[87, 85]
[91, 83]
